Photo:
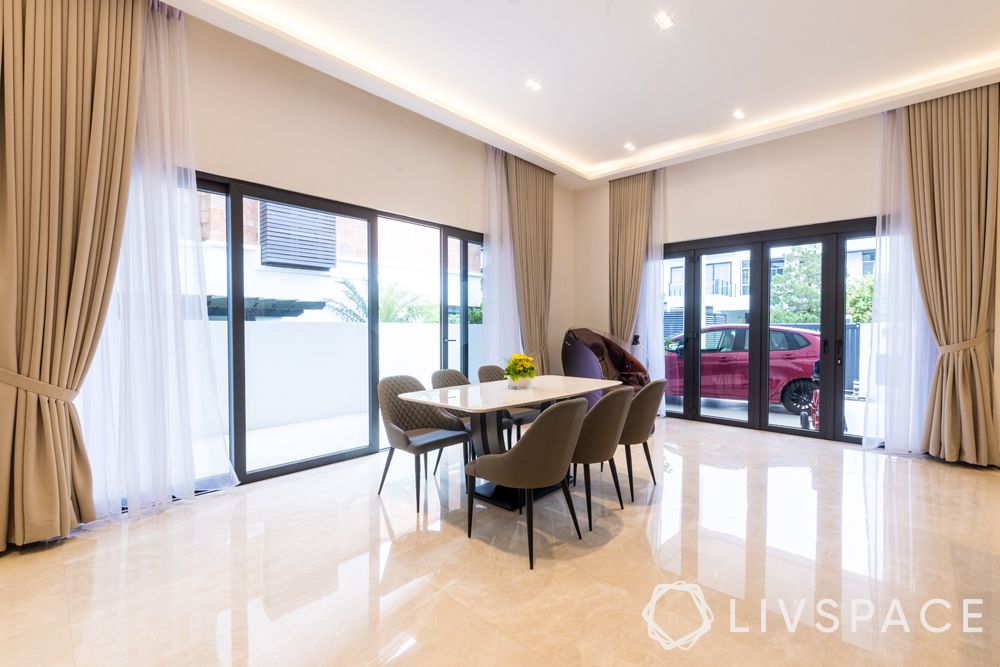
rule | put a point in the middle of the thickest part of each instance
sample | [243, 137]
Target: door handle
[840, 352]
[451, 340]
[727, 358]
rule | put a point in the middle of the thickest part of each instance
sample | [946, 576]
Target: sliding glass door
[795, 315]
[464, 339]
[781, 333]
[724, 320]
[312, 301]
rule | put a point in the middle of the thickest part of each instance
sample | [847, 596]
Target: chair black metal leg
[530, 495]
[438, 462]
[470, 484]
[520, 501]
[510, 437]
[614, 476]
[628, 464]
[416, 478]
[586, 486]
[385, 470]
[466, 446]
[518, 430]
[602, 466]
[649, 460]
[572, 510]
[426, 467]
[574, 474]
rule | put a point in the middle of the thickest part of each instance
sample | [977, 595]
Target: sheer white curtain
[649, 323]
[150, 405]
[502, 327]
[903, 349]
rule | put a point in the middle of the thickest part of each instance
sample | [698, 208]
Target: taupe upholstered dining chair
[449, 377]
[639, 426]
[518, 416]
[415, 428]
[539, 460]
[599, 436]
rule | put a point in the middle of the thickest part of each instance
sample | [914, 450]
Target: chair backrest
[540, 458]
[448, 377]
[642, 413]
[579, 361]
[602, 427]
[407, 415]
[490, 374]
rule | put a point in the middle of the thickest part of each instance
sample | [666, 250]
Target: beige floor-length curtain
[952, 146]
[631, 214]
[530, 201]
[70, 95]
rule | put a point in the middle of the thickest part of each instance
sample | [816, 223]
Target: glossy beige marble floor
[314, 568]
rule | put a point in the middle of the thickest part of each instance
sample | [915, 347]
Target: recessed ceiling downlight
[629, 146]
[663, 20]
[738, 114]
[533, 84]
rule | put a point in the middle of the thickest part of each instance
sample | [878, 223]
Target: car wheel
[797, 395]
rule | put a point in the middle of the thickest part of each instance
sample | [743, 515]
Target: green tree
[795, 293]
[860, 295]
[395, 304]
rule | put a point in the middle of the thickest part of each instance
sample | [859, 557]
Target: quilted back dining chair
[413, 427]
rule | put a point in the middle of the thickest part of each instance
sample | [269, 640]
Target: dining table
[486, 403]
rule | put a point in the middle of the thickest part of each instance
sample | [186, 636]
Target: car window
[778, 340]
[800, 341]
[718, 340]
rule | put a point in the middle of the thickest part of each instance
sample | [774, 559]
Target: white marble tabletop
[493, 396]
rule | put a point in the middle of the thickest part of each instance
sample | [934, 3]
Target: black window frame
[235, 190]
[834, 236]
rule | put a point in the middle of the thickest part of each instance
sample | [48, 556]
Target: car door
[674, 365]
[781, 361]
[718, 358]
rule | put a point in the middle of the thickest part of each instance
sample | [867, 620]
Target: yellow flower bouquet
[519, 371]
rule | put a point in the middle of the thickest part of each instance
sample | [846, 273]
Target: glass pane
[455, 303]
[724, 339]
[305, 278]
[409, 274]
[213, 214]
[673, 332]
[860, 288]
[795, 308]
[476, 341]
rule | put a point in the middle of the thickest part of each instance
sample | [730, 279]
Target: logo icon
[661, 636]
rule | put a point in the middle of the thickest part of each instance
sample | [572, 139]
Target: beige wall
[562, 306]
[261, 117]
[830, 174]
[822, 176]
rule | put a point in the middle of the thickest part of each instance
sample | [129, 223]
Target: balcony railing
[675, 289]
[719, 288]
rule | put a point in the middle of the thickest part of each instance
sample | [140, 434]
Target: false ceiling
[609, 75]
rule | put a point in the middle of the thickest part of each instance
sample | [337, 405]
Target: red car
[725, 365]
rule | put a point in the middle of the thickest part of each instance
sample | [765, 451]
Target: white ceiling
[610, 75]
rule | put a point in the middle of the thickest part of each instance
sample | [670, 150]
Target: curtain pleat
[69, 75]
[530, 203]
[631, 214]
[952, 145]
[502, 334]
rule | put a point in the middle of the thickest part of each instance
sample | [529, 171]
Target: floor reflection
[315, 568]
